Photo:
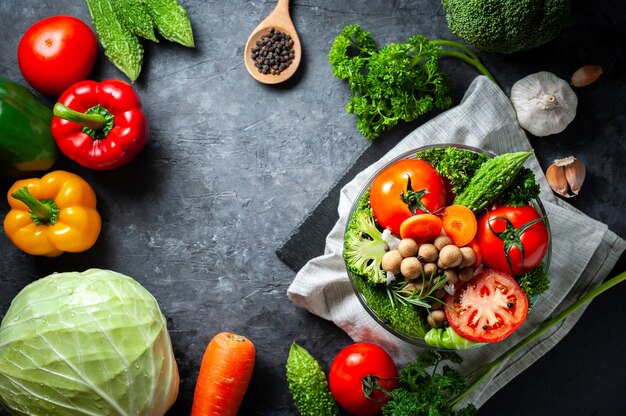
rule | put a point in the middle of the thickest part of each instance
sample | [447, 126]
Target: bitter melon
[491, 179]
[308, 384]
[135, 16]
[171, 21]
[120, 45]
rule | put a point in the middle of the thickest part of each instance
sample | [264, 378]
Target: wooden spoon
[280, 20]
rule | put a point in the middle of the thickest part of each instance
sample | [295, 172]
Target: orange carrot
[423, 228]
[459, 223]
[224, 376]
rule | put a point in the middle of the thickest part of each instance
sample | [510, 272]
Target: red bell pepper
[100, 124]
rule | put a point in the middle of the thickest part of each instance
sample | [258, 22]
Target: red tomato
[56, 52]
[392, 199]
[449, 194]
[488, 308]
[498, 250]
[358, 364]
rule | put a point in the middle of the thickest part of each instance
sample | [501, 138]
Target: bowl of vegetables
[449, 246]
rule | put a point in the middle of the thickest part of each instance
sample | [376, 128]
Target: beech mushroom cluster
[419, 263]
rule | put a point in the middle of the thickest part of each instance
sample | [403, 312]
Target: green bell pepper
[26, 143]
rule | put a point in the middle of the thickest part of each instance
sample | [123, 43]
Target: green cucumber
[135, 16]
[308, 384]
[171, 21]
[120, 45]
[491, 179]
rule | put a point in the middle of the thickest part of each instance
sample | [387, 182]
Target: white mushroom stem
[391, 240]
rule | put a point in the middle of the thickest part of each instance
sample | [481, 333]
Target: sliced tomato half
[488, 308]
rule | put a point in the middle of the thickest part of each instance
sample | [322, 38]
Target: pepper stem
[41, 211]
[93, 121]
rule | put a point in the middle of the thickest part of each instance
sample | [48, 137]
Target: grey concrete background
[233, 166]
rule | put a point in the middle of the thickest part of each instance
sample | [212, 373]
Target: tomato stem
[369, 384]
[512, 237]
[413, 199]
[547, 325]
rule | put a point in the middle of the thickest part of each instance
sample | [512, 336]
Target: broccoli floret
[506, 26]
[364, 246]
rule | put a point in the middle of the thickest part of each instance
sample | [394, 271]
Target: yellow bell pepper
[52, 215]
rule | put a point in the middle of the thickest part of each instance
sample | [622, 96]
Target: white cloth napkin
[583, 250]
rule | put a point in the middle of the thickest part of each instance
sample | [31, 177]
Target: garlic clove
[566, 176]
[586, 75]
[575, 175]
[555, 175]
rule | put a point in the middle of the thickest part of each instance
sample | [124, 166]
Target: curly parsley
[424, 391]
[523, 190]
[398, 82]
[456, 165]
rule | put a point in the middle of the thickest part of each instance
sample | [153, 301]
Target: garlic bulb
[545, 104]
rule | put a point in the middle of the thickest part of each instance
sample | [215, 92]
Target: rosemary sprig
[423, 296]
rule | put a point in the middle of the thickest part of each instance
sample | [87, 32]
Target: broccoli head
[364, 246]
[506, 26]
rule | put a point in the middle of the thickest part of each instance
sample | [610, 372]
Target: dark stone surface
[233, 166]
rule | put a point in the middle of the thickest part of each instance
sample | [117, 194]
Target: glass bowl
[359, 285]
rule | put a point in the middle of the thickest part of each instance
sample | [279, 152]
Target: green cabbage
[92, 343]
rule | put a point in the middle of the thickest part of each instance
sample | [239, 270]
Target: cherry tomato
[402, 187]
[505, 231]
[356, 367]
[488, 308]
[56, 52]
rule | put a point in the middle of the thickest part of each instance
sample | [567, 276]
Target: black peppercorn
[273, 52]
